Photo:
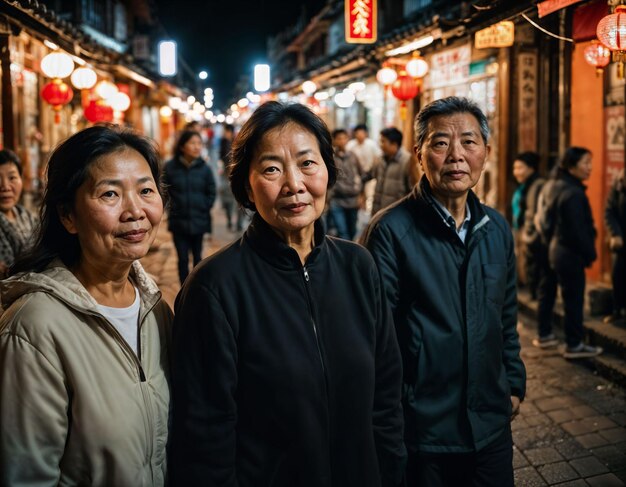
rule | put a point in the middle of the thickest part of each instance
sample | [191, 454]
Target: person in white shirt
[367, 153]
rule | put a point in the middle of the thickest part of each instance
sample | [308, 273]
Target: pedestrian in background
[567, 224]
[286, 367]
[367, 153]
[344, 197]
[16, 222]
[234, 214]
[524, 205]
[391, 171]
[190, 185]
[448, 266]
[84, 397]
[615, 218]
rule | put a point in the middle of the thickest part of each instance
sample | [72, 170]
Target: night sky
[227, 37]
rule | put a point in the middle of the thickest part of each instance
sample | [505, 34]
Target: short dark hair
[68, 168]
[229, 126]
[8, 156]
[572, 156]
[337, 132]
[531, 159]
[448, 106]
[269, 116]
[393, 135]
[360, 126]
[183, 138]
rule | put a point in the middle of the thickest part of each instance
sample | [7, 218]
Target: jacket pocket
[494, 283]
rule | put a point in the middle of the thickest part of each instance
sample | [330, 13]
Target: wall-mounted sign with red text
[361, 21]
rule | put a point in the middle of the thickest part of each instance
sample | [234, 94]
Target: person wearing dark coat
[568, 227]
[286, 367]
[615, 218]
[448, 268]
[524, 204]
[191, 187]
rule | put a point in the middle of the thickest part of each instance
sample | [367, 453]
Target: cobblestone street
[571, 430]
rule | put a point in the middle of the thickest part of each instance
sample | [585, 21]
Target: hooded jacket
[455, 311]
[285, 375]
[77, 406]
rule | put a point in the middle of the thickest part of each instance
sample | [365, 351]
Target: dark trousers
[618, 276]
[185, 243]
[570, 274]
[532, 267]
[344, 220]
[490, 467]
[546, 292]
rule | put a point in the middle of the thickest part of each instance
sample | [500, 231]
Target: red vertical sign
[361, 21]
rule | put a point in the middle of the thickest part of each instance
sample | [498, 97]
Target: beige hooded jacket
[77, 406]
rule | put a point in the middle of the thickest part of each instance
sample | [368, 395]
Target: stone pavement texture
[571, 430]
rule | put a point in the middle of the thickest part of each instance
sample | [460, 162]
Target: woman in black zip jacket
[286, 366]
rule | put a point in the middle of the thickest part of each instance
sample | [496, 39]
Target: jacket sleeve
[33, 415]
[211, 190]
[388, 420]
[611, 213]
[204, 381]
[515, 370]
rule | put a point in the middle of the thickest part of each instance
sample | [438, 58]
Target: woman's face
[288, 179]
[582, 170]
[10, 187]
[192, 148]
[117, 210]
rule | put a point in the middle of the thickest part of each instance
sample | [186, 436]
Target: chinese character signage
[614, 145]
[361, 22]
[527, 102]
[450, 67]
[550, 6]
[501, 34]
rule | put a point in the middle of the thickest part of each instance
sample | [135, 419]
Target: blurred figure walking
[615, 218]
[567, 224]
[367, 153]
[191, 187]
[344, 197]
[524, 205]
[16, 222]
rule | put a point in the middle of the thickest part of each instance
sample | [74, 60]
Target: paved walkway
[571, 430]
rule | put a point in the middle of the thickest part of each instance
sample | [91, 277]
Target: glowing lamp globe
[84, 78]
[119, 102]
[611, 32]
[597, 55]
[386, 76]
[57, 65]
[57, 93]
[309, 87]
[417, 68]
[105, 89]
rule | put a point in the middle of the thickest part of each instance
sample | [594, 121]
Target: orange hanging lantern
[96, 111]
[404, 88]
[597, 55]
[57, 93]
[611, 32]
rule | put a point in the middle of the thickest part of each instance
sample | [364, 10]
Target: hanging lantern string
[545, 31]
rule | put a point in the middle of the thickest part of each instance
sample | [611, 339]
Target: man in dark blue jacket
[448, 266]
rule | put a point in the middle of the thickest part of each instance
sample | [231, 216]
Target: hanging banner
[501, 34]
[550, 6]
[361, 21]
[527, 102]
[614, 143]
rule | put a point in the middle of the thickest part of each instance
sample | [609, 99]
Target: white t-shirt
[367, 153]
[125, 320]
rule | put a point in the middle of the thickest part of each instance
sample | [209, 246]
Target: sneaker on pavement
[545, 342]
[582, 351]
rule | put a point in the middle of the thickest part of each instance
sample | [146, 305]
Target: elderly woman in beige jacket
[84, 397]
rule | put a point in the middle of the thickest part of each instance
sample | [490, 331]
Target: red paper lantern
[611, 32]
[597, 55]
[98, 112]
[404, 88]
[57, 93]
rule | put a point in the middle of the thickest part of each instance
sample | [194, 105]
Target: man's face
[453, 154]
[388, 148]
[360, 135]
[340, 141]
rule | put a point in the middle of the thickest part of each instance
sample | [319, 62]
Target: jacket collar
[565, 175]
[266, 242]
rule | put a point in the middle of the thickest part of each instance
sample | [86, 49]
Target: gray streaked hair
[444, 107]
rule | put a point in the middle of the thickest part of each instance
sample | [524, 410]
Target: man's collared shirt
[449, 219]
